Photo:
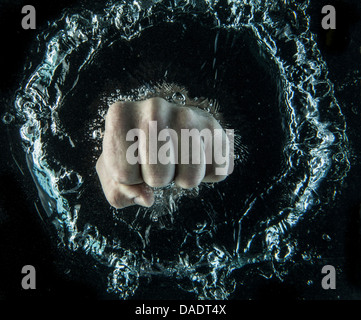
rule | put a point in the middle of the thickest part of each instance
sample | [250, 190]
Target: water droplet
[178, 97]
[8, 118]
[326, 237]
[97, 134]
[306, 256]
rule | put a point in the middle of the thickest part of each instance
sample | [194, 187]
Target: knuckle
[116, 106]
[153, 112]
[155, 109]
[185, 118]
[213, 124]
[156, 101]
[115, 109]
[116, 115]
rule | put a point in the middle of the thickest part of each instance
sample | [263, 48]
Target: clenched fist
[153, 142]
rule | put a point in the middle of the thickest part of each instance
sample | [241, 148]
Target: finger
[162, 172]
[120, 195]
[157, 150]
[120, 144]
[192, 167]
[222, 158]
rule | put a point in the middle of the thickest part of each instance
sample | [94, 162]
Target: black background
[25, 240]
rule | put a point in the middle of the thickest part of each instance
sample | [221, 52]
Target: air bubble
[178, 98]
[8, 118]
[97, 134]
[306, 256]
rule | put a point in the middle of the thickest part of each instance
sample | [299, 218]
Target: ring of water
[314, 146]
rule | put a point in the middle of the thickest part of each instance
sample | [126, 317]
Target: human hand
[144, 146]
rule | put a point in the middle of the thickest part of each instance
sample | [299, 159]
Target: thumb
[140, 194]
[121, 195]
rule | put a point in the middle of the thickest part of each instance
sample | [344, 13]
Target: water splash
[315, 151]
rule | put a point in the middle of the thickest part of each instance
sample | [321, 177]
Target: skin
[127, 184]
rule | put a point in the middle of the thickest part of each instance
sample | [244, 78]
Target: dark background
[24, 239]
